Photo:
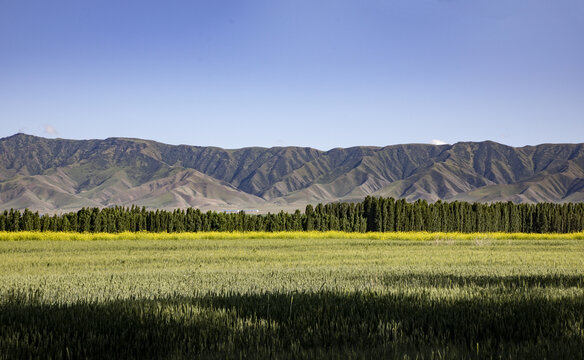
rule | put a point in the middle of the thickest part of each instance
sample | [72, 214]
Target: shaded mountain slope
[58, 174]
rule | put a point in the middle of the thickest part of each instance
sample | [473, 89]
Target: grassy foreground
[450, 296]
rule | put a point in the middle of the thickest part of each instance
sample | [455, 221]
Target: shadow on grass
[503, 282]
[295, 325]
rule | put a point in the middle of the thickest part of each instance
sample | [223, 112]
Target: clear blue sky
[326, 73]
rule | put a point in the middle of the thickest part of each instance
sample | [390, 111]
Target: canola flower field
[291, 295]
[248, 235]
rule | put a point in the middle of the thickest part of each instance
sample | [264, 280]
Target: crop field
[297, 295]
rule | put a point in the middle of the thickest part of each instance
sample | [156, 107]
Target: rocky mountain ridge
[53, 175]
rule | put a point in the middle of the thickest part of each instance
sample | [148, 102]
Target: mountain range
[56, 175]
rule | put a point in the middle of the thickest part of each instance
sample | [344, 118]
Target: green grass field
[228, 296]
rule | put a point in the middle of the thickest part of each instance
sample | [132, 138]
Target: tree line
[372, 214]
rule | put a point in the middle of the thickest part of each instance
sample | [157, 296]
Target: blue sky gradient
[324, 74]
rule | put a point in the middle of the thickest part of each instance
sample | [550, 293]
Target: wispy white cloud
[438, 142]
[49, 129]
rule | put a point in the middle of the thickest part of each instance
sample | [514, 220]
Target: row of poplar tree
[373, 214]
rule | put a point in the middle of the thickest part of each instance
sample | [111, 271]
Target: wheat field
[291, 295]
